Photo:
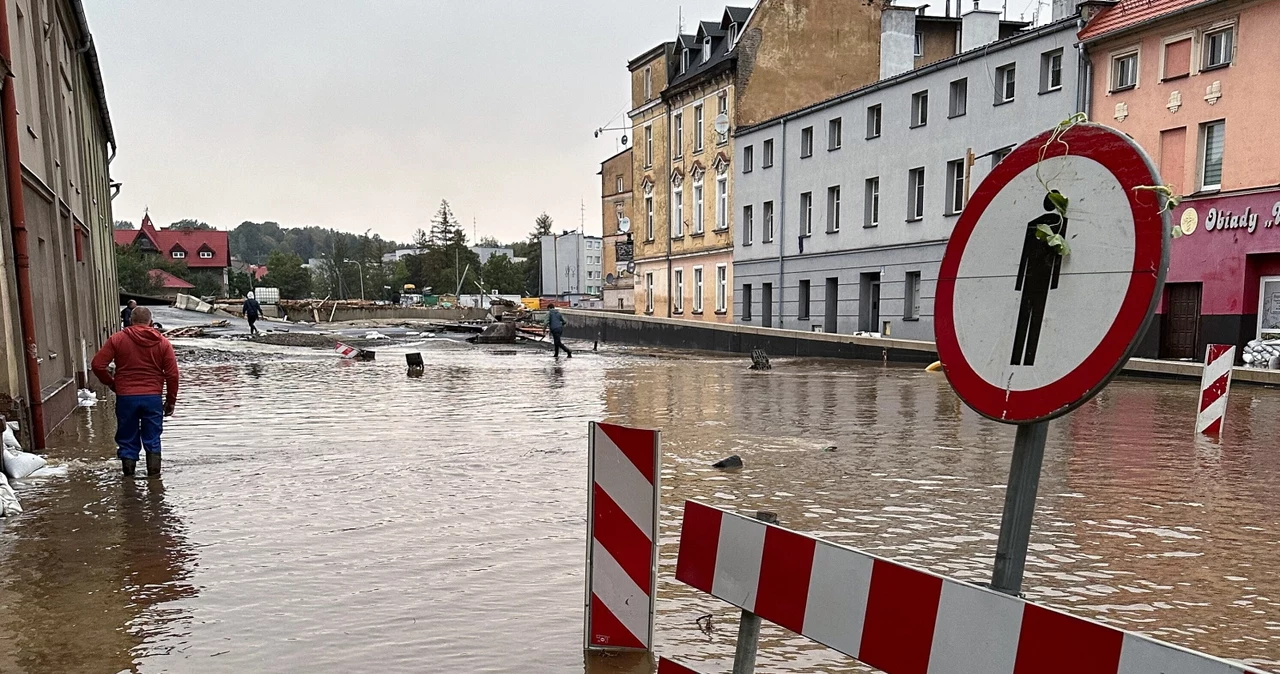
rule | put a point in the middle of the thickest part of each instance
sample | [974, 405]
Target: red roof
[168, 280]
[1130, 13]
[190, 242]
[258, 270]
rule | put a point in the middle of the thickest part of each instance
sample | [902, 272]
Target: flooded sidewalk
[327, 515]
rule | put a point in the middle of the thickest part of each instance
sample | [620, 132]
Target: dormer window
[179, 254]
[733, 34]
[206, 255]
[684, 60]
[706, 49]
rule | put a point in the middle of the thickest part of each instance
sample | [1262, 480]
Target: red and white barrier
[1215, 383]
[666, 666]
[346, 350]
[622, 537]
[902, 620]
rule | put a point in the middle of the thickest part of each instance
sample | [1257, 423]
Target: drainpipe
[18, 221]
[667, 182]
[781, 218]
[1084, 78]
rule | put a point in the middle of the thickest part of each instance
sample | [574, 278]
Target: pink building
[1196, 84]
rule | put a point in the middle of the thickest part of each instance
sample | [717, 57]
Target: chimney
[897, 41]
[1064, 8]
[978, 27]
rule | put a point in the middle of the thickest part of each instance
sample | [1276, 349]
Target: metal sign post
[1049, 280]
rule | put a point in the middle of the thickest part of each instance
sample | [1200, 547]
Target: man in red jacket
[146, 369]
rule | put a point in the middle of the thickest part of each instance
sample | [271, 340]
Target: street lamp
[361, 268]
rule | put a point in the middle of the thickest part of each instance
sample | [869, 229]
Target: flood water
[326, 516]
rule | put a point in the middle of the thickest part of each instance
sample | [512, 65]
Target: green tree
[238, 283]
[533, 257]
[285, 271]
[124, 224]
[501, 274]
[443, 226]
[189, 224]
[134, 266]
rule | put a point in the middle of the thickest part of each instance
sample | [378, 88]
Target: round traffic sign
[1037, 308]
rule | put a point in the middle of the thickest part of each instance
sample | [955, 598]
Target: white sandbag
[18, 464]
[11, 440]
[86, 398]
[9, 505]
[1275, 363]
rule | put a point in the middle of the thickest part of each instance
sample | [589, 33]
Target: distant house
[199, 249]
[170, 285]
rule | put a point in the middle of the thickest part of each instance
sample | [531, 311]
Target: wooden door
[1181, 327]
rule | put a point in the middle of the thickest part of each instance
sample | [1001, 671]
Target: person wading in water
[146, 388]
[252, 311]
[556, 323]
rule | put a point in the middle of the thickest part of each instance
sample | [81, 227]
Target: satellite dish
[631, 267]
[722, 123]
[624, 224]
[609, 279]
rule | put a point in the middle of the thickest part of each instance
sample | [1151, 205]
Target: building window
[911, 303]
[998, 156]
[915, 194]
[684, 60]
[648, 145]
[733, 34]
[178, 255]
[677, 136]
[206, 255]
[648, 83]
[79, 241]
[1217, 47]
[697, 290]
[648, 218]
[767, 221]
[871, 214]
[747, 224]
[722, 202]
[746, 301]
[619, 185]
[1006, 81]
[767, 160]
[833, 209]
[919, 45]
[919, 109]
[722, 106]
[873, 122]
[955, 185]
[697, 128]
[677, 212]
[959, 101]
[722, 288]
[1124, 71]
[806, 214]
[1177, 58]
[677, 297]
[806, 141]
[835, 134]
[1051, 71]
[1212, 137]
[648, 292]
[699, 213]
[706, 49]
[802, 312]
[748, 159]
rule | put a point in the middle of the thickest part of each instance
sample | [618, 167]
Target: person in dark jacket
[146, 387]
[126, 312]
[252, 311]
[556, 323]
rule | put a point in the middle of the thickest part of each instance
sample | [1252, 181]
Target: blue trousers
[139, 422]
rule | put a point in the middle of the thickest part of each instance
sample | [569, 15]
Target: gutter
[781, 218]
[95, 73]
[18, 222]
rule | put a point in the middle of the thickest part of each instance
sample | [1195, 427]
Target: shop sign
[1232, 213]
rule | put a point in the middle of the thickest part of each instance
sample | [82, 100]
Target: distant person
[146, 388]
[126, 312]
[556, 323]
[252, 311]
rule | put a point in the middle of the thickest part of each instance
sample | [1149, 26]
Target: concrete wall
[896, 244]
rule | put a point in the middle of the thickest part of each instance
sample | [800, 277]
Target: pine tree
[443, 226]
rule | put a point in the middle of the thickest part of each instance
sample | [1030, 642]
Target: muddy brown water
[328, 516]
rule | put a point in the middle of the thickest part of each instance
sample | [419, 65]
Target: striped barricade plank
[1215, 384]
[622, 535]
[666, 666]
[900, 619]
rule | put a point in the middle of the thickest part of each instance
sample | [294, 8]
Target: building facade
[846, 208]
[572, 264]
[617, 220]
[1190, 82]
[58, 288]
[200, 250]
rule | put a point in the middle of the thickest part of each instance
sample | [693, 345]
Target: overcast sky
[364, 115]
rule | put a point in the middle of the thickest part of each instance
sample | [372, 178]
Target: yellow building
[616, 211]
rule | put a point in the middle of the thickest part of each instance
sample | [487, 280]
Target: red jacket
[145, 364]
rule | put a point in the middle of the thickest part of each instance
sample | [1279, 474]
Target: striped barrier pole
[622, 537]
[666, 666]
[1215, 384]
[902, 620]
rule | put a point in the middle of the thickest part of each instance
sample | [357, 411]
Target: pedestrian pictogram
[1051, 274]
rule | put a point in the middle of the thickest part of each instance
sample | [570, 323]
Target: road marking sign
[622, 536]
[1215, 384]
[1028, 331]
[903, 620]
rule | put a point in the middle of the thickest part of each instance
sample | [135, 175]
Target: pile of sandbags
[16, 463]
[1264, 354]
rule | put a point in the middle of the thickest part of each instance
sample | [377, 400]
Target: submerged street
[348, 517]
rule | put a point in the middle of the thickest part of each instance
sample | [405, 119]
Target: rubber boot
[128, 465]
[153, 464]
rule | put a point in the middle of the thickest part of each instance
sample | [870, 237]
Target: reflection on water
[338, 516]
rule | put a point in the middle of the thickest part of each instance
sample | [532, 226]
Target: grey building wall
[572, 264]
[896, 245]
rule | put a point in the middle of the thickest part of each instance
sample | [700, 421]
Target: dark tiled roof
[720, 53]
[738, 15]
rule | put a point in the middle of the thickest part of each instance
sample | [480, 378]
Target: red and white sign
[902, 620]
[1026, 333]
[346, 350]
[666, 666]
[622, 536]
[1215, 384]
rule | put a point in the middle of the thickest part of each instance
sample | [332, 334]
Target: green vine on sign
[1170, 201]
[1059, 200]
[1046, 234]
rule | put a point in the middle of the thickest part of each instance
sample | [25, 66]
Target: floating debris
[734, 461]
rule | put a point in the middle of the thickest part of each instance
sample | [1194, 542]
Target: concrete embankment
[684, 334]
